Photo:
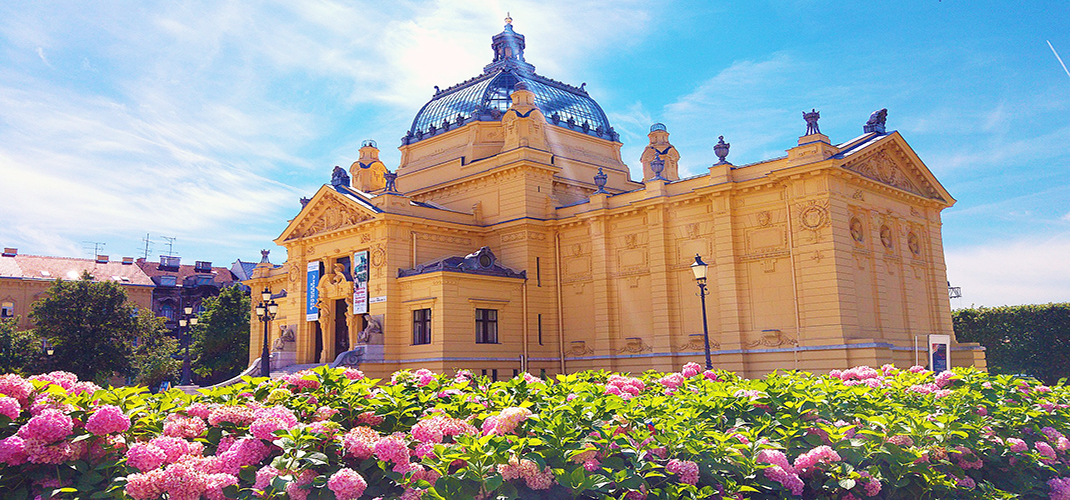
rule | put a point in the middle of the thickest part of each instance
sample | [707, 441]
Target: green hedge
[1029, 340]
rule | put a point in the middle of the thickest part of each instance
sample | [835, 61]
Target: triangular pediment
[892, 162]
[329, 210]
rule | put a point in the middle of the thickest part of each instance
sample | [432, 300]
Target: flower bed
[856, 434]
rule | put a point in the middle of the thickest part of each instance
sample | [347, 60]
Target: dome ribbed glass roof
[486, 97]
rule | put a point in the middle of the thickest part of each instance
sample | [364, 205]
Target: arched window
[167, 311]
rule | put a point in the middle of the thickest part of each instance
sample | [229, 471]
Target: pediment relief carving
[891, 167]
[326, 217]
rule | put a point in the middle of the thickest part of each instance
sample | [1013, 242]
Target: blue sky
[207, 121]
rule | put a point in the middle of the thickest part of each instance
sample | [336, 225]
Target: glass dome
[486, 97]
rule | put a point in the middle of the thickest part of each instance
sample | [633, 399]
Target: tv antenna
[170, 244]
[97, 247]
[147, 243]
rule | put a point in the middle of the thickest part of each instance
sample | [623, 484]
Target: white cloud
[1009, 273]
[194, 119]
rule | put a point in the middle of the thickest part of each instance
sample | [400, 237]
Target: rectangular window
[494, 374]
[538, 272]
[421, 326]
[515, 372]
[7, 310]
[486, 326]
[540, 329]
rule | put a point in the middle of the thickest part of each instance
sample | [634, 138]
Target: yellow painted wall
[791, 283]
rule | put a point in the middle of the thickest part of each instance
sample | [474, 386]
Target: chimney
[10, 252]
[128, 261]
[102, 259]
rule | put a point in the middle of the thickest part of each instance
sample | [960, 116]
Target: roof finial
[508, 19]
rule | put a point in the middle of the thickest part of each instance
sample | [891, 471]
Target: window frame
[421, 326]
[7, 309]
[486, 326]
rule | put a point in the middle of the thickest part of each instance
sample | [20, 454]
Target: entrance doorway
[341, 328]
[319, 341]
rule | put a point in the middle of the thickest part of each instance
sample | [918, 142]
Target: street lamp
[700, 268]
[187, 376]
[47, 347]
[265, 311]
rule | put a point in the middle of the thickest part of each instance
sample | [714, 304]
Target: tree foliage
[220, 346]
[153, 359]
[90, 324]
[19, 350]
[1029, 339]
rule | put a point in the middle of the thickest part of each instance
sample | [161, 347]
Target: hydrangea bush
[850, 435]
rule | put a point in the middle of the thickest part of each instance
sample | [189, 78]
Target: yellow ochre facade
[828, 257]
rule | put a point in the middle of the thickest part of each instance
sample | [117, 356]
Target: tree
[220, 346]
[153, 359]
[20, 351]
[1029, 339]
[91, 326]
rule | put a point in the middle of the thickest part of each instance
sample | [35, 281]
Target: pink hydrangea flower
[1017, 445]
[1045, 450]
[347, 484]
[872, 488]
[945, 378]
[672, 380]
[818, 455]
[505, 422]
[66, 380]
[15, 386]
[774, 457]
[1060, 488]
[691, 369]
[214, 484]
[177, 425]
[10, 407]
[786, 478]
[901, 440]
[528, 471]
[108, 419]
[49, 426]
[264, 476]
[434, 429]
[686, 469]
[360, 442]
[353, 374]
[13, 450]
[145, 457]
[295, 489]
[392, 449]
[145, 486]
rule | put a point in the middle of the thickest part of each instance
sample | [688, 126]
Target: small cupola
[508, 49]
[659, 148]
[368, 171]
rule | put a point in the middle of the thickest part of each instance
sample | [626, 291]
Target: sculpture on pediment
[339, 177]
[876, 122]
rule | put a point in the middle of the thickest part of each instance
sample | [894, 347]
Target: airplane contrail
[1057, 57]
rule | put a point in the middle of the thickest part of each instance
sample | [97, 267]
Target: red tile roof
[69, 268]
[220, 275]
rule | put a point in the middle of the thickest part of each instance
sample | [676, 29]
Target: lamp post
[265, 311]
[191, 321]
[699, 268]
[47, 347]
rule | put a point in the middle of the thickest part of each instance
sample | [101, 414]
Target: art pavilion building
[512, 237]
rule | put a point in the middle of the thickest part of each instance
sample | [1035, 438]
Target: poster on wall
[312, 311]
[939, 352]
[360, 282]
